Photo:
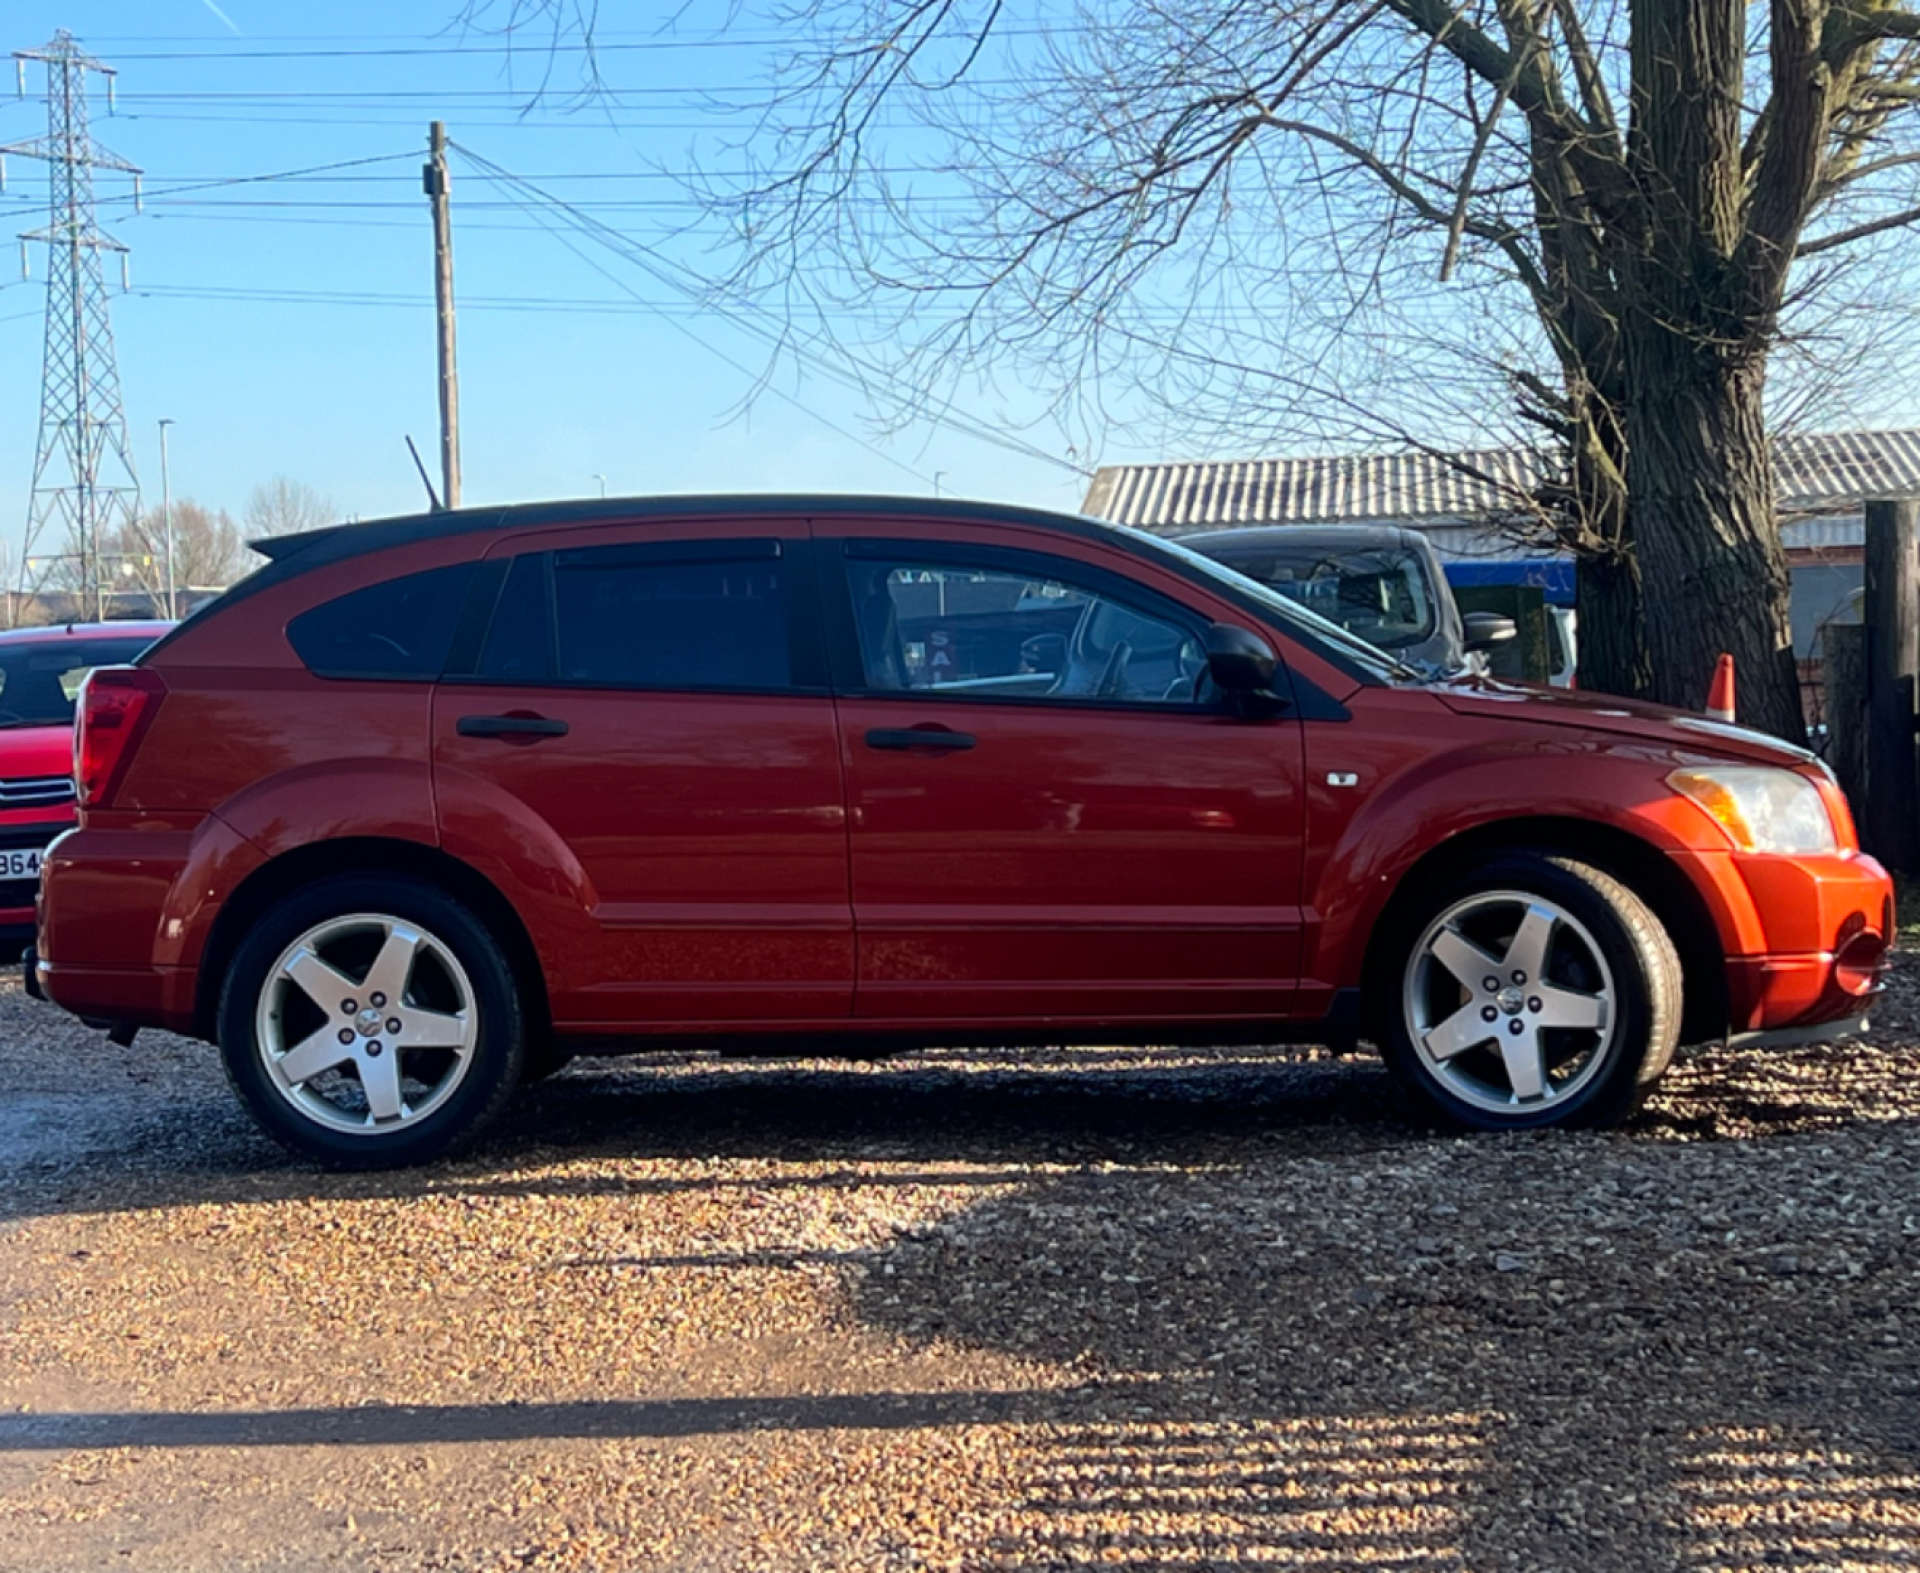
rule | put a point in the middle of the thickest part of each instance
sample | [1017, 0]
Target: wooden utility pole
[434, 179]
[1891, 824]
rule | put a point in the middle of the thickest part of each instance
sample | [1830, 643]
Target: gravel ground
[964, 1311]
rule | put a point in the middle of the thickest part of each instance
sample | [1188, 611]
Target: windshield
[1284, 611]
[38, 682]
[1381, 594]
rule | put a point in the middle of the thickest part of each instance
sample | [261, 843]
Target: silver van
[1379, 581]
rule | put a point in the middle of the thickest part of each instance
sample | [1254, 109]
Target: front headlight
[1761, 807]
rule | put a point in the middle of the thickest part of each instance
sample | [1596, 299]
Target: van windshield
[1380, 594]
[39, 681]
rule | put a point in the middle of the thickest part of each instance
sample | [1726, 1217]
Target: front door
[648, 722]
[1052, 814]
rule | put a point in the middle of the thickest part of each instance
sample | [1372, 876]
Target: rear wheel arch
[272, 881]
[1639, 865]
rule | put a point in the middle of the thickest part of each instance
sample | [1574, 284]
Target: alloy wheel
[1509, 1002]
[366, 1023]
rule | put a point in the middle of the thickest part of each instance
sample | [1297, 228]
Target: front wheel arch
[1642, 867]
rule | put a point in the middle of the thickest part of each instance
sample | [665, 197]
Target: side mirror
[1487, 629]
[1239, 661]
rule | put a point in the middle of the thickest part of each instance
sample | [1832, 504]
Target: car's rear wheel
[371, 1022]
[1533, 991]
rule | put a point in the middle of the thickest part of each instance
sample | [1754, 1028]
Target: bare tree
[1375, 212]
[286, 507]
[208, 552]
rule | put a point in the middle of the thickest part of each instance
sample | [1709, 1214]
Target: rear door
[648, 715]
[1051, 812]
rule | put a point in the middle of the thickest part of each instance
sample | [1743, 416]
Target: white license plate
[20, 865]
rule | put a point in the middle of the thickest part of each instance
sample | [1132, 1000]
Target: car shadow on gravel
[178, 1136]
[575, 1133]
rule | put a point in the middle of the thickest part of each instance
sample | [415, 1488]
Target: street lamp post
[166, 517]
[603, 483]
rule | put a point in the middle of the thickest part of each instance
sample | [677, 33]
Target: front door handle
[938, 738]
[509, 726]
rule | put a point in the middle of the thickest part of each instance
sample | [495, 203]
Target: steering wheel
[1114, 673]
[392, 644]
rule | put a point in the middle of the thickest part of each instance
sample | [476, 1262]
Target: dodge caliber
[426, 806]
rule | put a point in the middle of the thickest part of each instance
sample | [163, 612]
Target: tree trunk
[1613, 628]
[1700, 314]
[1713, 571]
[1607, 589]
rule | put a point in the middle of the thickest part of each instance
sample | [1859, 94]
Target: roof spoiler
[276, 548]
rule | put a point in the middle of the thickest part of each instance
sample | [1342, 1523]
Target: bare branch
[1846, 237]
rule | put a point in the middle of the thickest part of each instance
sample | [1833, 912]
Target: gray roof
[1830, 472]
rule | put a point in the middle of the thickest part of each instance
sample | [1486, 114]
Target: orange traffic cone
[1720, 690]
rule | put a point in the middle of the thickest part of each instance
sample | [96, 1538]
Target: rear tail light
[117, 704]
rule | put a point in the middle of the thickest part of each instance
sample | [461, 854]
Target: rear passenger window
[674, 615]
[398, 630]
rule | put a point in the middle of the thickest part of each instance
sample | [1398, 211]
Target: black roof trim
[289, 556]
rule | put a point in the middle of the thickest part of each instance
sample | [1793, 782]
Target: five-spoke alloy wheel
[1534, 991]
[371, 1021]
[366, 1023]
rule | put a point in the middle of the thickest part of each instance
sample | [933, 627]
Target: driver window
[1005, 633]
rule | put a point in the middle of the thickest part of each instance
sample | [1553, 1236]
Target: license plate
[20, 865]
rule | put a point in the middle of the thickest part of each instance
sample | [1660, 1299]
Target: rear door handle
[509, 726]
[914, 737]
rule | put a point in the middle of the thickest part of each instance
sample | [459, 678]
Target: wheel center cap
[368, 1022]
[1511, 999]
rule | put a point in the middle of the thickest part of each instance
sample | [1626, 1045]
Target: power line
[279, 174]
[523, 50]
[726, 359]
[849, 370]
[355, 96]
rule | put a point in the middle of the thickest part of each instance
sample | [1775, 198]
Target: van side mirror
[1487, 629]
[1239, 661]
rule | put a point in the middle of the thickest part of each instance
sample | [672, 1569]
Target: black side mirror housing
[1487, 629]
[1239, 661]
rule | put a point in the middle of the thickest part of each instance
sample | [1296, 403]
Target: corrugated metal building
[1822, 481]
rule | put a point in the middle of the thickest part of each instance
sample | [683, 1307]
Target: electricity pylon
[84, 486]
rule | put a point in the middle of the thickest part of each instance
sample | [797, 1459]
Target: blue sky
[262, 383]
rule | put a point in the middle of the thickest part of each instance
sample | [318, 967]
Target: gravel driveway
[965, 1311]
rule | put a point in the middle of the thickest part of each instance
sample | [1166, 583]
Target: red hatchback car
[41, 670]
[427, 805]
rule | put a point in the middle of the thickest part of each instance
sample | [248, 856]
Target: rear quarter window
[398, 630]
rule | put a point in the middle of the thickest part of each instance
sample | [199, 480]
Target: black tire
[498, 1052]
[1644, 1028]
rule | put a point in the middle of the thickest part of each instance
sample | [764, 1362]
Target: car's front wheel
[1532, 991]
[371, 1022]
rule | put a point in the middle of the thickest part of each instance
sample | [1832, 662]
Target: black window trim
[849, 664]
[806, 656]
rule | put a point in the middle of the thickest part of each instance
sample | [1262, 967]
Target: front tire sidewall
[499, 1046]
[1629, 939]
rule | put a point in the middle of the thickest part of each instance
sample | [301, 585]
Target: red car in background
[41, 670]
[426, 805]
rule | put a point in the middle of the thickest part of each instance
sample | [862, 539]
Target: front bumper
[1807, 940]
